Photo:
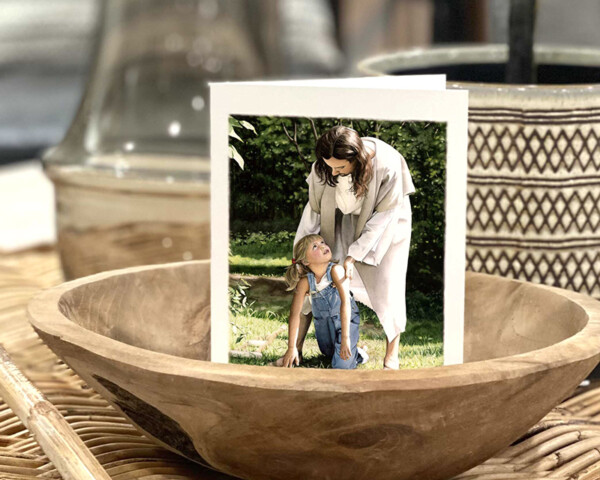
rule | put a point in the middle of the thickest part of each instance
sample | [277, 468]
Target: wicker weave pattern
[564, 445]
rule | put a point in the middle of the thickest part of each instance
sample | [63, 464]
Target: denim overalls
[328, 326]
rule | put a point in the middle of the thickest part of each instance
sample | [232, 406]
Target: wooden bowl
[140, 337]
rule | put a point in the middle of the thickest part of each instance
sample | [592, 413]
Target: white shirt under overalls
[307, 306]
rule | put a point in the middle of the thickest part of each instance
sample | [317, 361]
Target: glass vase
[132, 175]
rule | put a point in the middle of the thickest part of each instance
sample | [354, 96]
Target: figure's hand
[345, 352]
[349, 267]
[291, 358]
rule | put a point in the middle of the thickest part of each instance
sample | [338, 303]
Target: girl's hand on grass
[345, 352]
[291, 358]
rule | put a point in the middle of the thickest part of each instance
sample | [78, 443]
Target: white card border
[294, 100]
[395, 82]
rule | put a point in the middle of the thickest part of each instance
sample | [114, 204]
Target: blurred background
[46, 47]
[113, 94]
[48, 50]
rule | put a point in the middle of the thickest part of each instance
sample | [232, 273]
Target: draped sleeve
[365, 247]
[392, 184]
[395, 184]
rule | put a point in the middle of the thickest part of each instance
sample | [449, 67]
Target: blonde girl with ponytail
[335, 313]
[298, 268]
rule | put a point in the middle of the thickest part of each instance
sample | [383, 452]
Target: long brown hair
[343, 143]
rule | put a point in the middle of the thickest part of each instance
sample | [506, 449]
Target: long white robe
[378, 238]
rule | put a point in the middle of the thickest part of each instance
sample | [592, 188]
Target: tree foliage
[270, 193]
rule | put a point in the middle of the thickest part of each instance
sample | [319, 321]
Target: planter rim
[44, 314]
[488, 53]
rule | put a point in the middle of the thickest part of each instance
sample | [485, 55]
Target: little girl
[334, 310]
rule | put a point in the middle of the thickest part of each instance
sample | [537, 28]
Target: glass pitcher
[132, 174]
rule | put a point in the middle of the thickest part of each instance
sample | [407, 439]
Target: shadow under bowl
[141, 338]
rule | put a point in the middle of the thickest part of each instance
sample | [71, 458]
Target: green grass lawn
[256, 316]
[261, 253]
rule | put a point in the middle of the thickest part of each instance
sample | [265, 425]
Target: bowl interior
[505, 317]
[162, 309]
[167, 310]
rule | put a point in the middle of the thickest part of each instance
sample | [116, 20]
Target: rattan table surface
[564, 445]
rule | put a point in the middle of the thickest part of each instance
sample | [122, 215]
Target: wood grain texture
[267, 423]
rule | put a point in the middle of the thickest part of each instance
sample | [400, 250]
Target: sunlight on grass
[264, 266]
[265, 262]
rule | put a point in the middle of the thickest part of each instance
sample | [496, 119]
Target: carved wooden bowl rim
[44, 314]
